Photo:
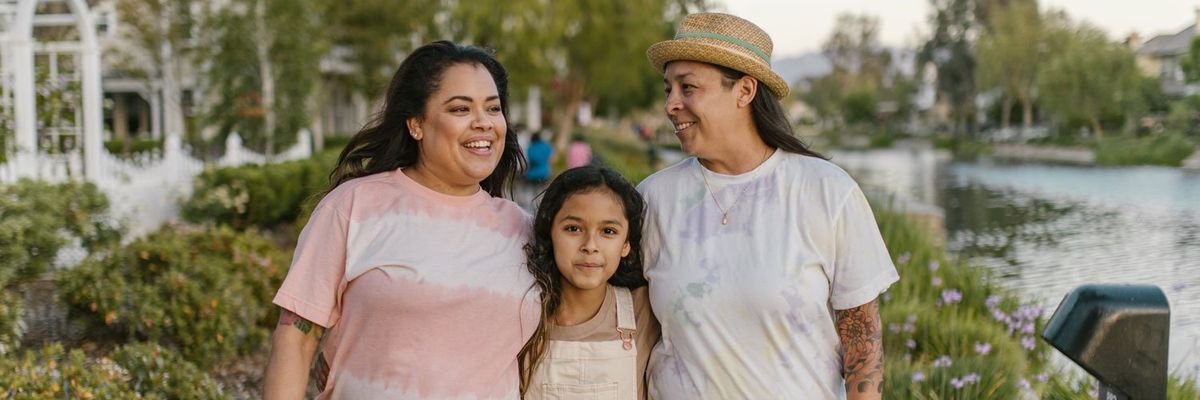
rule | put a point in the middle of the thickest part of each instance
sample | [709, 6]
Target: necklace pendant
[725, 219]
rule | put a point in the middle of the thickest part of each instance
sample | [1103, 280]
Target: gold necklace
[725, 211]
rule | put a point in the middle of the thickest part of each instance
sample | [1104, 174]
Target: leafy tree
[854, 51]
[859, 106]
[950, 50]
[824, 95]
[1089, 77]
[371, 34]
[1191, 61]
[162, 33]
[263, 64]
[579, 49]
[1010, 54]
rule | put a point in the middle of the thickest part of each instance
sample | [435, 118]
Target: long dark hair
[769, 117]
[540, 249]
[385, 144]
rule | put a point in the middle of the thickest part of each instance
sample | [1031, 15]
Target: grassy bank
[1160, 149]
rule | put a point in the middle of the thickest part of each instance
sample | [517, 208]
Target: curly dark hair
[540, 249]
[384, 144]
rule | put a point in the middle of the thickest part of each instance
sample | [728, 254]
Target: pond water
[1046, 229]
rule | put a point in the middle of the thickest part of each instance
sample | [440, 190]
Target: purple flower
[909, 327]
[1042, 377]
[1000, 316]
[993, 301]
[1025, 383]
[894, 327]
[936, 281]
[1027, 342]
[983, 348]
[918, 376]
[971, 378]
[951, 296]
[958, 383]
[1027, 328]
[943, 361]
[912, 344]
[903, 259]
[933, 266]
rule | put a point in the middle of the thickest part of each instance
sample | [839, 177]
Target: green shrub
[53, 373]
[158, 372]
[961, 145]
[1159, 149]
[129, 146]
[135, 371]
[205, 293]
[257, 195]
[626, 155]
[38, 218]
[10, 320]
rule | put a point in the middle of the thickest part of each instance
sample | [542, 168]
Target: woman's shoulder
[344, 195]
[666, 176]
[810, 170]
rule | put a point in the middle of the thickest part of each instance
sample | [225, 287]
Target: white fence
[144, 192]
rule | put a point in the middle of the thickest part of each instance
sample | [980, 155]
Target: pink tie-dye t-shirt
[425, 295]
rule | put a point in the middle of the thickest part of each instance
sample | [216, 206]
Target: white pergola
[19, 48]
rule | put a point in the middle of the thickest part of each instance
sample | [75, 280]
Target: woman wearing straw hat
[764, 259]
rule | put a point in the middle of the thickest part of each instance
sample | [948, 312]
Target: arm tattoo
[861, 332]
[287, 317]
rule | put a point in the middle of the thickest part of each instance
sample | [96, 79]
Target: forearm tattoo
[306, 327]
[861, 332]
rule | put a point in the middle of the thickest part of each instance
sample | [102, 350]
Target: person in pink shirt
[409, 277]
[579, 153]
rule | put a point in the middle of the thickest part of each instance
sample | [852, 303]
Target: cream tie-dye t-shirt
[747, 308]
[425, 295]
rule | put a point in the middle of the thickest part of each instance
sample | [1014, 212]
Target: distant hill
[797, 68]
[814, 65]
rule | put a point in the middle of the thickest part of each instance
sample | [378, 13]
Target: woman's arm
[861, 332]
[292, 348]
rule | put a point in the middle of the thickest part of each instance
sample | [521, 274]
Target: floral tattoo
[861, 332]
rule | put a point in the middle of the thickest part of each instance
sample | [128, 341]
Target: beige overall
[591, 370]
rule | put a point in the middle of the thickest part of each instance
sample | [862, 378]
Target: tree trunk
[573, 96]
[172, 94]
[1006, 112]
[1027, 113]
[1097, 131]
[266, 74]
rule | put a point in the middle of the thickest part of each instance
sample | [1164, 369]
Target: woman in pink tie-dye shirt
[412, 265]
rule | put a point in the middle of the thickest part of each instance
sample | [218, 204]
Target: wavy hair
[540, 249]
[769, 117]
[385, 144]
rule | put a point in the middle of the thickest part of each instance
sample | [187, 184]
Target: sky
[801, 26]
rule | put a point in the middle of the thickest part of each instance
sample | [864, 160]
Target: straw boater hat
[724, 40]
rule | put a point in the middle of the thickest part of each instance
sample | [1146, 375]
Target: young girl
[597, 329]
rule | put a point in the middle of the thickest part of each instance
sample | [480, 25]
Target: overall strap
[625, 318]
[626, 322]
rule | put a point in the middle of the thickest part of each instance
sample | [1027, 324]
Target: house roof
[1169, 45]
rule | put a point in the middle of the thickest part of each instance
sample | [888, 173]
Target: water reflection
[1046, 229]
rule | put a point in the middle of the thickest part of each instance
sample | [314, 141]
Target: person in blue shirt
[539, 160]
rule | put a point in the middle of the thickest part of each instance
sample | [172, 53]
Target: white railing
[144, 192]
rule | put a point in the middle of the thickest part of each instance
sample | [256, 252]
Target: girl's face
[590, 238]
[461, 135]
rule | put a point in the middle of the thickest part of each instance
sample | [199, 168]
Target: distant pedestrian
[539, 153]
[579, 153]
